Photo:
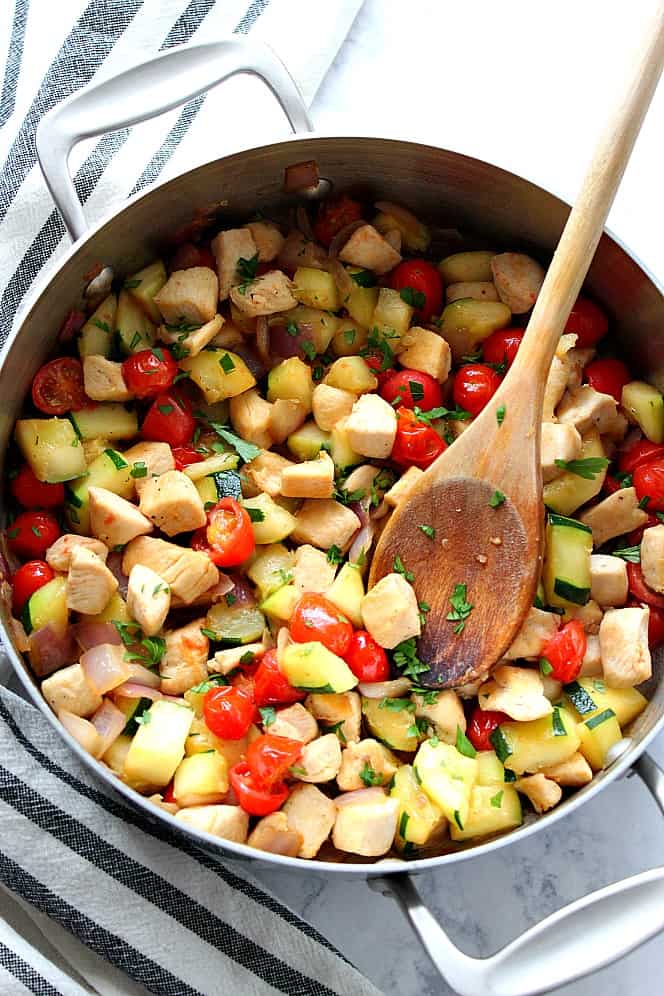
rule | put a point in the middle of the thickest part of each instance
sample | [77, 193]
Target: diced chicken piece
[578, 359]
[313, 572]
[70, 689]
[324, 523]
[426, 351]
[366, 763]
[608, 578]
[250, 417]
[58, 556]
[103, 380]
[266, 295]
[330, 405]
[298, 250]
[559, 442]
[479, 290]
[320, 760]
[518, 280]
[172, 502]
[652, 558]
[229, 337]
[592, 659]
[552, 689]
[312, 815]
[185, 659]
[538, 627]
[361, 478]
[585, 408]
[390, 612]
[148, 599]
[225, 661]
[402, 486]
[157, 457]
[158, 800]
[188, 573]
[368, 248]
[623, 643]
[273, 834]
[114, 519]
[193, 342]
[229, 248]
[543, 792]
[286, 416]
[574, 772]
[372, 426]
[517, 691]
[267, 238]
[228, 822]
[559, 374]
[90, 584]
[393, 236]
[189, 297]
[310, 479]
[589, 614]
[445, 713]
[615, 515]
[366, 822]
[341, 711]
[296, 723]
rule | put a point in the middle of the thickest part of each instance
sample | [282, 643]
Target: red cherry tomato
[333, 215]
[611, 484]
[655, 624]
[28, 578]
[366, 658]
[640, 590]
[169, 420]
[608, 376]
[502, 346]
[188, 255]
[58, 387]
[481, 726]
[376, 364]
[228, 538]
[636, 535]
[314, 618]
[269, 757]
[228, 712]
[411, 388]
[32, 493]
[424, 281]
[640, 452]
[149, 372]
[416, 444]
[565, 651]
[169, 795]
[648, 480]
[474, 386]
[31, 533]
[184, 456]
[253, 798]
[271, 687]
[588, 322]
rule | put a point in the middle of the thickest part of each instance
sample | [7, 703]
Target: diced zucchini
[51, 447]
[132, 709]
[144, 285]
[392, 314]
[466, 323]
[291, 380]
[361, 301]
[219, 373]
[201, 779]
[223, 484]
[116, 755]
[110, 420]
[589, 696]
[281, 603]
[158, 746]
[271, 523]
[235, 623]
[393, 722]
[201, 739]
[96, 336]
[465, 267]
[598, 734]
[347, 592]
[47, 605]
[272, 568]
[567, 492]
[316, 288]
[420, 818]
[566, 573]
[111, 471]
[537, 744]
[217, 464]
[134, 328]
[307, 441]
[314, 668]
[490, 769]
[644, 406]
[342, 453]
[448, 778]
[493, 809]
[351, 373]
[116, 609]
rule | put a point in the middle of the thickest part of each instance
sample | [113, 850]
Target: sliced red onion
[105, 667]
[297, 251]
[361, 545]
[114, 564]
[100, 285]
[361, 509]
[303, 222]
[82, 731]
[244, 593]
[140, 675]
[109, 722]
[71, 326]
[134, 690]
[50, 649]
[385, 689]
[632, 437]
[342, 237]
[263, 340]
[253, 361]
[92, 634]
[301, 176]
[285, 345]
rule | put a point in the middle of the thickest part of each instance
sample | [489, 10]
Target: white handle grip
[146, 90]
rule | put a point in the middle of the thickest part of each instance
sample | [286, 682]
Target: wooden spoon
[497, 552]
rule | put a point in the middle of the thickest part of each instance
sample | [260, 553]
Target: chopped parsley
[139, 469]
[268, 715]
[397, 705]
[13, 533]
[428, 696]
[246, 270]
[101, 325]
[588, 468]
[417, 728]
[149, 652]
[416, 299]
[630, 553]
[416, 390]
[212, 682]
[463, 744]
[308, 349]
[500, 414]
[349, 336]
[643, 504]
[131, 284]
[159, 353]
[335, 728]
[364, 278]
[369, 776]
[496, 499]
[165, 409]
[334, 555]
[230, 599]
[461, 607]
[545, 666]
[400, 568]
[210, 633]
[255, 514]
[145, 716]
[378, 342]
[226, 363]
[433, 414]
[180, 352]
[406, 659]
[135, 339]
[497, 799]
[292, 328]
[36, 531]
[246, 451]
[428, 531]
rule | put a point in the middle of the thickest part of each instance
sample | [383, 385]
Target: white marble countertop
[524, 85]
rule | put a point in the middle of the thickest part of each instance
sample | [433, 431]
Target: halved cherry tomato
[411, 388]
[612, 484]
[481, 726]
[149, 372]
[636, 535]
[188, 255]
[32, 493]
[253, 798]
[376, 363]
[648, 480]
[333, 215]
[474, 386]
[271, 687]
[643, 451]
[416, 444]
[502, 346]
[314, 618]
[228, 712]
[31, 533]
[169, 795]
[424, 282]
[269, 757]
[655, 624]
[588, 322]
[366, 658]
[565, 651]
[28, 578]
[608, 376]
[58, 387]
[169, 420]
[228, 538]
[640, 590]
[184, 456]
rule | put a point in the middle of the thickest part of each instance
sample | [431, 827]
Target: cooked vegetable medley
[199, 479]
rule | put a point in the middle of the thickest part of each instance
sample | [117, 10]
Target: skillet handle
[573, 942]
[146, 90]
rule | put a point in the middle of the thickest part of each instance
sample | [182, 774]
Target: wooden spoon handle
[585, 224]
